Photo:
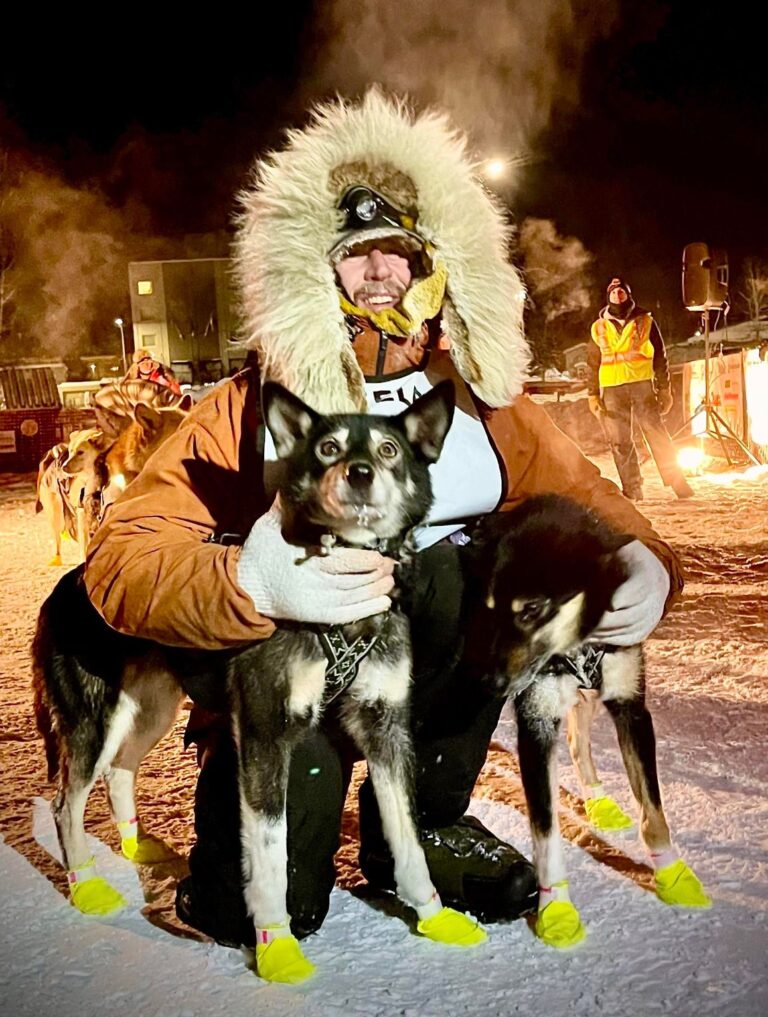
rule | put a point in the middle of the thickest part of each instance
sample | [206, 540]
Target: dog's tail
[43, 718]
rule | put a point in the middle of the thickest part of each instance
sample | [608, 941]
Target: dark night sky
[666, 144]
[669, 146]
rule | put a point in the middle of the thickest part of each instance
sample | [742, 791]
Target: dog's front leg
[624, 696]
[379, 726]
[580, 717]
[539, 714]
[603, 813]
[54, 510]
[376, 716]
[275, 694]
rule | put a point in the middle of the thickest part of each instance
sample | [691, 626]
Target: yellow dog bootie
[678, 884]
[140, 847]
[452, 927]
[279, 957]
[91, 894]
[444, 925]
[605, 814]
[558, 923]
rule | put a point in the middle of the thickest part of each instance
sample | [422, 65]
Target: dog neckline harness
[344, 657]
[582, 663]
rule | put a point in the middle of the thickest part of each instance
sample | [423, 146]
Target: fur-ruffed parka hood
[290, 221]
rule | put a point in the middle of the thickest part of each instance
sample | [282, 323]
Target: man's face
[617, 295]
[376, 275]
[146, 366]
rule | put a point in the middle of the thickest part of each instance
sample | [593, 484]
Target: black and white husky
[103, 699]
[547, 571]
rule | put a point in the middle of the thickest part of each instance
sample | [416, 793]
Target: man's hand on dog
[638, 604]
[343, 586]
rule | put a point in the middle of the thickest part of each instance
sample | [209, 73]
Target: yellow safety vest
[627, 355]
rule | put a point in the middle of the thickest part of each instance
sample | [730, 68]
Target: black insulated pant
[623, 404]
[452, 722]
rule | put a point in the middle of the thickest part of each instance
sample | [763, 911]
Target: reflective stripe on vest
[625, 356]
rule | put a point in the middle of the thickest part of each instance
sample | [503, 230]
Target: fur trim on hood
[289, 221]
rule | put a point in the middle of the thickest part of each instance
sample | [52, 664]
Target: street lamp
[119, 322]
[494, 169]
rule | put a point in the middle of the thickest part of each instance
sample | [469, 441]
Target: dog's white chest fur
[466, 481]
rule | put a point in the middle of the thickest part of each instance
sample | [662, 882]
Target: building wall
[186, 315]
[148, 312]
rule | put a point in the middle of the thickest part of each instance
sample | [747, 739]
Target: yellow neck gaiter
[422, 301]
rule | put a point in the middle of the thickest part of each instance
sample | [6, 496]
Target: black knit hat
[616, 281]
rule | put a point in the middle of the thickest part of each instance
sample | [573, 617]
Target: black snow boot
[471, 868]
[228, 929]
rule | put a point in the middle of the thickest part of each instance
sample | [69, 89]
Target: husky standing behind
[78, 479]
[357, 478]
[124, 459]
[547, 571]
[65, 483]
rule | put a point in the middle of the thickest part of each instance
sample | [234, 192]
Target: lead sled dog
[360, 479]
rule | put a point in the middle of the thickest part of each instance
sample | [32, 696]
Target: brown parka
[152, 570]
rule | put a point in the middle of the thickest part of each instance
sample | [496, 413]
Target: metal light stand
[714, 425]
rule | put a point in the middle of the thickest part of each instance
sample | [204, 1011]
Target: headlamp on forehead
[368, 216]
[367, 209]
[361, 204]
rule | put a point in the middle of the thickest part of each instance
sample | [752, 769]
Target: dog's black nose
[359, 474]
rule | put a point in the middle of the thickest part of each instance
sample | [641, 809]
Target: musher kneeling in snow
[371, 264]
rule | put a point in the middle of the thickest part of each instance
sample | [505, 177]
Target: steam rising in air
[498, 67]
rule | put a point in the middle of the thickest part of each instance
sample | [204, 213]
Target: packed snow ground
[708, 678]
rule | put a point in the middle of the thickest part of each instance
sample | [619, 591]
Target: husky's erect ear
[186, 403]
[289, 419]
[148, 416]
[426, 423]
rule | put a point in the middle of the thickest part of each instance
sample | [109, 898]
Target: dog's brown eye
[528, 611]
[329, 448]
[388, 449]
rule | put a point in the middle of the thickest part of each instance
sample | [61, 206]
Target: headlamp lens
[366, 207]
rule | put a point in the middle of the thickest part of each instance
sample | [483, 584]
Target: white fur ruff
[289, 222]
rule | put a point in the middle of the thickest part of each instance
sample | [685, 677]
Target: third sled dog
[547, 572]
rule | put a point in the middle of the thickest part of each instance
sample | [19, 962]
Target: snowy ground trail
[708, 679]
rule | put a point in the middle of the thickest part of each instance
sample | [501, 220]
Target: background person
[628, 379]
[146, 367]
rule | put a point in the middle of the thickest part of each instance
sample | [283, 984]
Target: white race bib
[466, 480]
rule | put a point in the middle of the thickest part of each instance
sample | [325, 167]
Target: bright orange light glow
[691, 458]
[699, 422]
[756, 379]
